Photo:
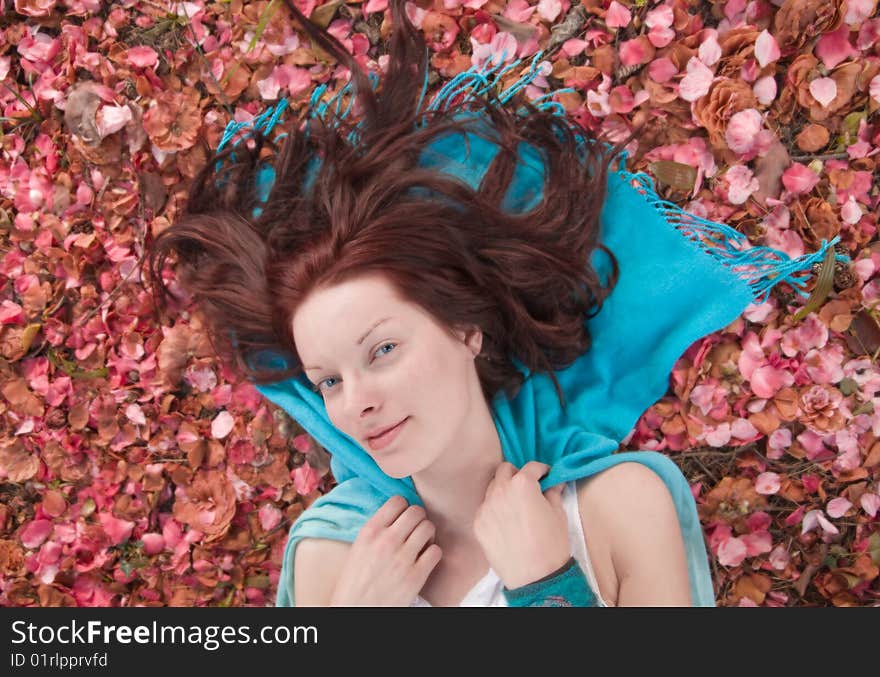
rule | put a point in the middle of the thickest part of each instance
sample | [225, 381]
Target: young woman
[425, 273]
[384, 362]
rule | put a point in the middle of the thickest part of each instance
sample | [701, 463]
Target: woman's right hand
[386, 565]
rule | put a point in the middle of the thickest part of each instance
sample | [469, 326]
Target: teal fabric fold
[680, 278]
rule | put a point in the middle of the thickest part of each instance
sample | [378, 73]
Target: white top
[488, 590]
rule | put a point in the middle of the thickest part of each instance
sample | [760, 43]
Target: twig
[827, 156]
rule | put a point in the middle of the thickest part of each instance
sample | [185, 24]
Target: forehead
[348, 306]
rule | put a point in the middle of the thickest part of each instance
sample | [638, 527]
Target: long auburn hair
[524, 279]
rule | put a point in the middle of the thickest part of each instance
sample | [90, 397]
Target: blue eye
[384, 345]
[317, 388]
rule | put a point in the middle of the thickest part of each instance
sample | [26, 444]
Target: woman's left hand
[523, 532]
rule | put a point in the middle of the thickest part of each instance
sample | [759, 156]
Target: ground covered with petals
[135, 470]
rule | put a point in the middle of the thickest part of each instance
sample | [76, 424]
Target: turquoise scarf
[673, 289]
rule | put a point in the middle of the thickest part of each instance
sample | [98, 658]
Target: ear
[472, 338]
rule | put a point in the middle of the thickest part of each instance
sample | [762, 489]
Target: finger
[554, 494]
[535, 469]
[421, 536]
[409, 519]
[389, 512]
[504, 472]
[426, 562]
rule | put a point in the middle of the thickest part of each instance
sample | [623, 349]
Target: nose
[361, 395]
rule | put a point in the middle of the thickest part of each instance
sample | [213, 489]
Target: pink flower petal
[732, 552]
[742, 130]
[758, 521]
[375, 6]
[766, 48]
[617, 15]
[740, 184]
[632, 52]
[874, 88]
[117, 530]
[519, 10]
[270, 517]
[850, 213]
[826, 525]
[110, 119]
[33, 535]
[709, 51]
[660, 70]
[870, 503]
[766, 381]
[837, 507]
[835, 48]
[767, 483]
[661, 17]
[823, 90]
[11, 313]
[135, 414]
[222, 425]
[549, 9]
[153, 543]
[143, 56]
[660, 36]
[799, 179]
[779, 558]
[811, 521]
[573, 47]
[858, 10]
[765, 90]
[305, 479]
[757, 543]
[697, 81]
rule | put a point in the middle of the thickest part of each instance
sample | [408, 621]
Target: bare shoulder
[317, 565]
[639, 520]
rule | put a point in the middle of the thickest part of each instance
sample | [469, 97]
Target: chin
[395, 473]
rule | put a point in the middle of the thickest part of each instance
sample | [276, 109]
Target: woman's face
[377, 360]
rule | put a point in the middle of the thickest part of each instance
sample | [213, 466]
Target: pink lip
[386, 438]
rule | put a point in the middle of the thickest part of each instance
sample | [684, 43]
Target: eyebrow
[361, 339]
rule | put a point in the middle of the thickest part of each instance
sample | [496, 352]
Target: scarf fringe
[761, 267]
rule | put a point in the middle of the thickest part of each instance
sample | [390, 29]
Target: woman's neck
[453, 488]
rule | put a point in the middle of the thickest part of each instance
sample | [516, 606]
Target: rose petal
[766, 48]
[697, 81]
[799, 179]
[222, 425]
[870, 503]
[35, 533]
[135, 414]
[142, 56]
[767, 483]
[826, 525]
[617, 15]
[837, 507]
[270, 517]
[153, 543]
[709, 51]
[757, 543]
[732, 552]
[117, 530]
[765, 90]
[305, 479]
[874, 88]
[850, 213]
[823, 90]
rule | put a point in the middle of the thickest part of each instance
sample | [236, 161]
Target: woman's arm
[647, 550]
[317, 566]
